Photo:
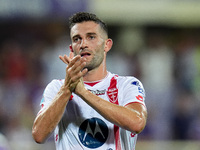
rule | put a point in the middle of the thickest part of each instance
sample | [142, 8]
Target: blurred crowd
[168, 64]
[170, 71]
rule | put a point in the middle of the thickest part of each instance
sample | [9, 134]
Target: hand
[74, 70]
[67, 59]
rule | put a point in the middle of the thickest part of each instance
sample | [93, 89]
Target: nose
[84, 44]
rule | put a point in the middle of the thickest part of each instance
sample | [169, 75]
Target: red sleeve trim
[136, 102]
[40, 109]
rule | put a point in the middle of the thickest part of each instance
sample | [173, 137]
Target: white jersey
[83, 128]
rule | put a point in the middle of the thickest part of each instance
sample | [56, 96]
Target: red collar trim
[92, 83]
[95, 82]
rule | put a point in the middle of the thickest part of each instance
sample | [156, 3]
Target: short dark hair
[85, 16]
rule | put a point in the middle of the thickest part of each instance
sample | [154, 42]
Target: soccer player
[91, 108]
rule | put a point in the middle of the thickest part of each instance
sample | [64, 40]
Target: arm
[132, 117]
[47, 119]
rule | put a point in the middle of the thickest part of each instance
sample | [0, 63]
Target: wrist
[80, 91]
[65, 91]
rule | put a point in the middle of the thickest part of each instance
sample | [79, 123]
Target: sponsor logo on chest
[98, 92]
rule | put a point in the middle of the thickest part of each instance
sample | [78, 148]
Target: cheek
[75, 49]
[99, 44]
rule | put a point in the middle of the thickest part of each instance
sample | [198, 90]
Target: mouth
[85, 54]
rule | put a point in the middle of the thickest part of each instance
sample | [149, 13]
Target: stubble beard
[95, 62]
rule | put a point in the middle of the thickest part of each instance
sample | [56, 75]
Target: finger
[79, 75]
[77, 67]
[71, 55]
[66, 61]
[84, 71]
[76, 74]
[62, 58]
[74, 60]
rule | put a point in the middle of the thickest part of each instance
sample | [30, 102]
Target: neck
[96, 74]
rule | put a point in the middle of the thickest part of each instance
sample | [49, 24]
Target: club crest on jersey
[112, 91]
[113, 95]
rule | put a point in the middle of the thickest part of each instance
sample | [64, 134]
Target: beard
[95, 62]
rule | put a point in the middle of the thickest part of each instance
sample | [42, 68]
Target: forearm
[47, 120]
[128, 118]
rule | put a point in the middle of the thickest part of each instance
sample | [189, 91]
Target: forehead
[84, 28]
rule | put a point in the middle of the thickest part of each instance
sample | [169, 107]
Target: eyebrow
[75, 36]
[89, 33]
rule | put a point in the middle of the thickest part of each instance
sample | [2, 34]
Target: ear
[71, 49]
[108, 45]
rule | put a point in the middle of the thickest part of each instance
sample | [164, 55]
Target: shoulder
[51, 90]
[55, 84]
[57, 81]
[129, 79]
[125, 79]
[131, 89]
[131, 83]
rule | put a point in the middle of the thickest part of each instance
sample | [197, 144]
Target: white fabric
[81, 125]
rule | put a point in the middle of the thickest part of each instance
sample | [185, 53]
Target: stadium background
[156, 40]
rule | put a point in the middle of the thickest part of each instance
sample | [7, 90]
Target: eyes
[92, 37]
[78, 39]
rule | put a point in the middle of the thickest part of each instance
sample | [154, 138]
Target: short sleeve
[133, 91]
[49, 93]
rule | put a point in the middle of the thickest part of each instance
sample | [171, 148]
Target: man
[91, 108]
